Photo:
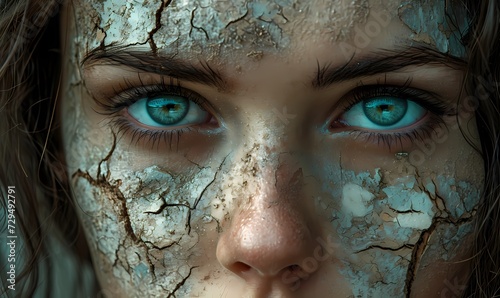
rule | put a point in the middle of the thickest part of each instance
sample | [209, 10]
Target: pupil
[168, 107]
[385, 108]
[168, 110]
[385, 111]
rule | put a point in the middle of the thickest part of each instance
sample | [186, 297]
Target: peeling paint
[148, 222]
[156, 225]
[213, 27]
[439, 23]
[356, 200]
[383, 242]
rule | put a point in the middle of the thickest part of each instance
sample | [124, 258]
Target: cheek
[146, 226]
[394, 224]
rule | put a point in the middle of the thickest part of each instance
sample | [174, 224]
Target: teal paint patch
[452, 237]
[380, 276]
[460, 197]
[443, 22]
[141, 270]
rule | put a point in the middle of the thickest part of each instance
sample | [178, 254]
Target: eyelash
[131, 94]
[426, 99]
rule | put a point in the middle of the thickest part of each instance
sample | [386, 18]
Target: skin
[443, 37]
[267, 200]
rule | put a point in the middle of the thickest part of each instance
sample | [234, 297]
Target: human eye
[167, 111]
[388, 114]
[157, 112]
[384, 112]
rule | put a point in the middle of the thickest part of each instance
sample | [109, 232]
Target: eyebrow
[380, 61]
[167, 65]
[383, 61]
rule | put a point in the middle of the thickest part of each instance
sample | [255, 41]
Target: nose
[263, 241]
[271, 232]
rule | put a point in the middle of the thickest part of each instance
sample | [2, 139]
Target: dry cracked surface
[406, 226]
[169, 218]
[399, 222]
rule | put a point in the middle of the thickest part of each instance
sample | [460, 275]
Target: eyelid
[438, 108]
[128, 93]
[427, 99]
[115, 106]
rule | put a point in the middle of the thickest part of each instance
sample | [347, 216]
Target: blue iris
[385, 111]
[167, 110]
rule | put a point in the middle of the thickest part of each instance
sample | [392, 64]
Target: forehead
[263, 24]
[212, 28]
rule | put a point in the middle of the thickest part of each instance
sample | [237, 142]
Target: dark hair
[31, 156]
[483, 82]
[30, 153]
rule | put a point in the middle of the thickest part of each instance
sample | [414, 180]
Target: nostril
[263, 242]
[294, 269]
[241, 267]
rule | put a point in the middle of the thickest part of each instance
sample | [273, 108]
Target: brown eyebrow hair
[162, 64]
[379, 61]
[382, 61]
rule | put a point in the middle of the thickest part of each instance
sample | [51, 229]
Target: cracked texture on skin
[151, 246]
[213, 27]
[385, 244]
[149, 223]
[429, 23]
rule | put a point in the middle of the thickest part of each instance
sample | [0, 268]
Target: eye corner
[337, 125]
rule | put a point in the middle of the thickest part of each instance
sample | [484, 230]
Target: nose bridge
[269, 230]
[255, 172]
[263, 166]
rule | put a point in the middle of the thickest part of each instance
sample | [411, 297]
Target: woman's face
[282, 148]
